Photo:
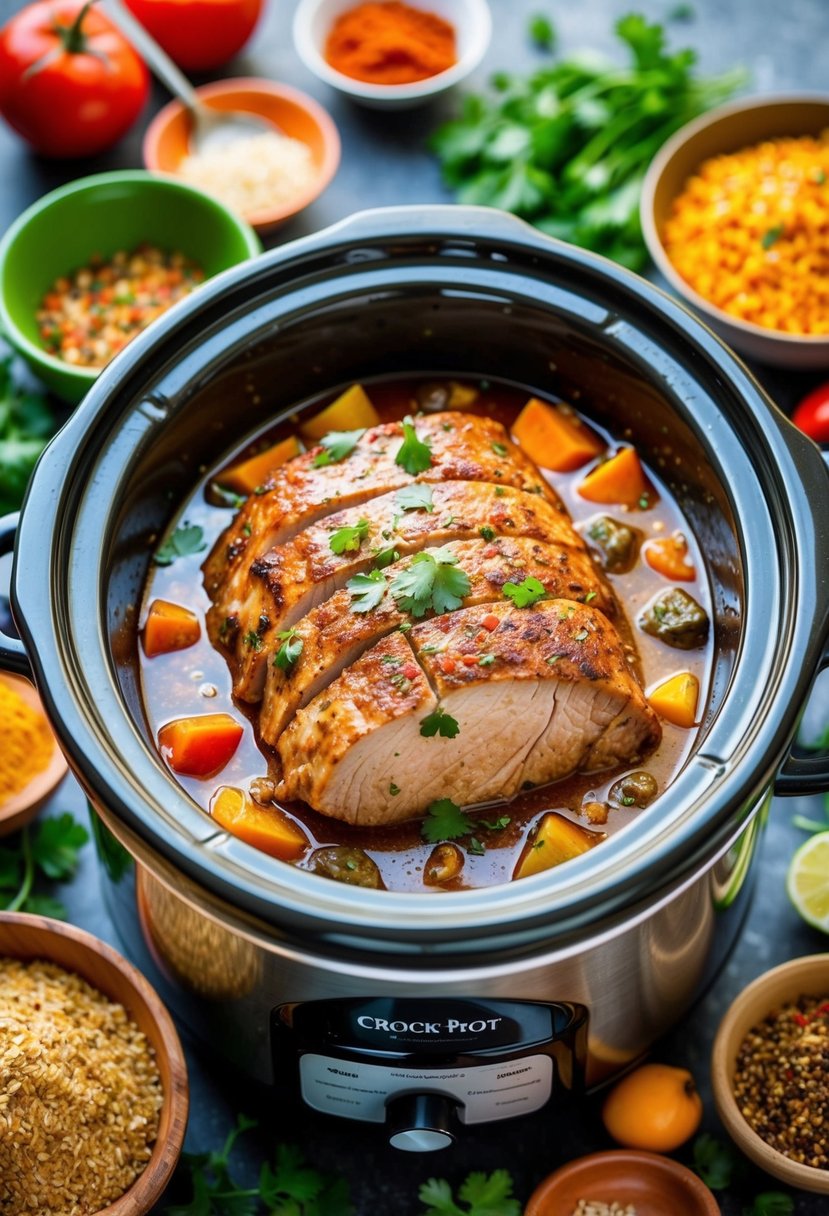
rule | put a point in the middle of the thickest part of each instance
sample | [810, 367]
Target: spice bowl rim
[470, 18]
[76, 950]
[784, 982]
[771, 346]
[68, 380]
[22, 806]
[260, 221]
[556, 1186]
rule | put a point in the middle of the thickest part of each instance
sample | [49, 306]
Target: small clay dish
[654, 1185]
[38, 937]
[289, 111]
[808, 976]
[25, 804]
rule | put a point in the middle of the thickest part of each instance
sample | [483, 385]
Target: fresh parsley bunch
[47, 850]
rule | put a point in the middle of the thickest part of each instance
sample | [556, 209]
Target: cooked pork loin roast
[364, 605]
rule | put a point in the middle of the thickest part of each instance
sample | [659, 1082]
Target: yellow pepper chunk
[557, 839]
[246, 477]
[349, 412]
[266, 828]
[676, 699]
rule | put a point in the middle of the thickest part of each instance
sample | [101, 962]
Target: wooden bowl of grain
[774, 991]
[36, 939]
[622, 1182]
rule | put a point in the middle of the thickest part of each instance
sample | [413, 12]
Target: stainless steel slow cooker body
[631, 931]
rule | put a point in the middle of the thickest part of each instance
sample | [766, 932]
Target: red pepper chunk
[490, 622]
[200, 746]
[411, 671]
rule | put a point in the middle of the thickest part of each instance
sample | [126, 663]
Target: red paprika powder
[390, 43]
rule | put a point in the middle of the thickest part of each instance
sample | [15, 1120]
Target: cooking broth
[197, 680]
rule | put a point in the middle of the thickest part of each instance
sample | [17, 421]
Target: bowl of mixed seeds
[770, 1072]
[93, 1083]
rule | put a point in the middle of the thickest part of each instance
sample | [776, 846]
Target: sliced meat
[294, 577]
[549, 693]
[464, 447]
[333, 636]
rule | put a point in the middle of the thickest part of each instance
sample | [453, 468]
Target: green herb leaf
[526, 593]
[439, 722]
[542, 32]
[414, 498]
[431, 580]
[487, 533]
[414, 455]
[486, 660]
[394, 790]
[55, 845]
[385, 557]
[366, 590]
[714, 1161]
[290, 650]
[772, 236]
[349, 539]
[445, 821]
[183, 542]
[771, 1203]
[481, 1195]
[26, 424]
[336, 446]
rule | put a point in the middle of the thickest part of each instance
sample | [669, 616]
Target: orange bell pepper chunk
[169, 627]
[619, 480]
[676, 699]
[557, 839]
[200, 746]
[349, 412]
[669, 557]
[246, 477]
[555, 438]
[266, 828]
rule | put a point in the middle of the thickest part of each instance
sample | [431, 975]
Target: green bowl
[100, 215]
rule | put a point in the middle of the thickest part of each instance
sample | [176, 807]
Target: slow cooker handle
[805, 774]
[12, 652]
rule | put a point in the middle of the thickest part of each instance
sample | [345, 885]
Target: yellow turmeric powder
[26, 742]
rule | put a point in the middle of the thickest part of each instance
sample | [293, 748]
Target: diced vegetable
[169, 627]
[266, 828]
[677, 619]
[635, 789]
[676, 699]
[555, 438]
[200, 746]
[346, 864]
[617, 544]
[434, 395]
[351, 410]
[621, 479]
[246, 477]
[445, 863]
[557, 840]
[669, 557]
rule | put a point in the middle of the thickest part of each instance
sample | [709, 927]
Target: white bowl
[473, 29]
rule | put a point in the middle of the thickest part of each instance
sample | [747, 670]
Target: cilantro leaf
[770, 1203]
[444, 821]
[366, 590]
[385, 557]
[772, 235]
[414, 498]
[714, 1161]
[414, 455]
[431, 580]
[26, 424]
[336, 446]
[290, 1178]
[526, 593]
[349, 539]
[289, 651]
[183, 542]
[482, 1195]
[439, 722]
[45, 905]
[56, 843]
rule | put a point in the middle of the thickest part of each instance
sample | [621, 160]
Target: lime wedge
[807, 882]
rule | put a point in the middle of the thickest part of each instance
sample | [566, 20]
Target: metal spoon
[211, 129]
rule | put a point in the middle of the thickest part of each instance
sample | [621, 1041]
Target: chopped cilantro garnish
[526, 593]
[289, 651]
[349, 539]
[476, 847]
[486, 660]
[366, 590]
[183, 542]
[772, 235]
[252, 640]
[445, 821]
[500, 449]
[414, 498]
[336, 446]
[487, 533]
[431, 580]
[394, 790]
[385, 557]
[581, 635]
[414, 455]
[439, 722]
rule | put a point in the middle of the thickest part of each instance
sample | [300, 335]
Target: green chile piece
[677, 619]
[346, 864]
[617, 544]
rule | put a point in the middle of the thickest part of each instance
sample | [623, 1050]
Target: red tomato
[198, 34]
[69, 82]
[812, 414]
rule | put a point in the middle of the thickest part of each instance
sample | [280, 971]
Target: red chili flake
[443, 625]
[800, 1019]
[447, 664]
[491, 551]
[490, 622]
[411, 671]
[498, 517]
[470, 660]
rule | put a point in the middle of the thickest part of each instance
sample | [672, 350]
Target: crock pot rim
[443, 912]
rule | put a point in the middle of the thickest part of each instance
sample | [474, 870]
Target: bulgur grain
[750, 233]
[80, 1094]
[255, 174]
[781, 1080]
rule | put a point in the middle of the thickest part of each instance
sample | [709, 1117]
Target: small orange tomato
[656, 1108]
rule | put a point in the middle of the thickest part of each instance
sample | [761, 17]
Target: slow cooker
[427, 1014]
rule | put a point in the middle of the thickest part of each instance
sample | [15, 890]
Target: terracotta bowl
[655, 1185]
[166, 142]
[30, 937]
[25, 804]
[739, 124]
[801, 976]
